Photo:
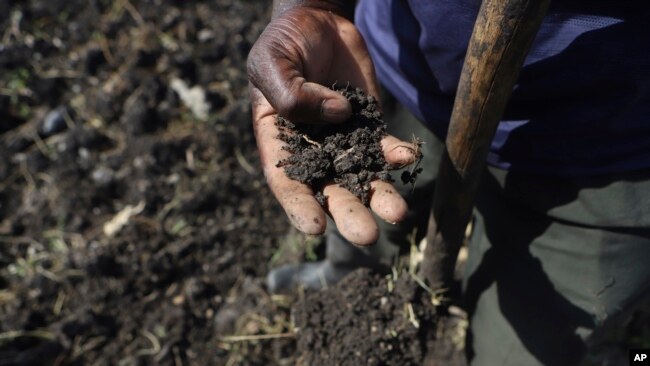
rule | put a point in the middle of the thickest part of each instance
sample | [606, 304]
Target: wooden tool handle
[502, 36]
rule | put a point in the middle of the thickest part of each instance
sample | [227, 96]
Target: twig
[155, 344]
[411, 316]
[58, 305]
[189, 157]
[311, 141]
[48, 274]
[258, 337]
[243, 162]
[343, 155]
[133, 12]
[92, 343]
[25, 92]
[56, 74]
[415, 255]
[38, 333]
[425, 287]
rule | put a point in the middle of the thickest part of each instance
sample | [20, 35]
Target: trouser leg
[551, 261]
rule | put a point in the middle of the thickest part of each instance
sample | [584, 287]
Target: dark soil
[349, 153]
[368, 319]
[90, 127]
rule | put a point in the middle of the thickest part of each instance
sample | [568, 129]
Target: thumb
[276, 67]
[310, 102]
[292, 96]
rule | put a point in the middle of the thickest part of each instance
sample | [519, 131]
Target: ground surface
[368, 319]
[135, 225]
[187, 268]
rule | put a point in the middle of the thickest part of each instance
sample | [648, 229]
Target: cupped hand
[299, 52]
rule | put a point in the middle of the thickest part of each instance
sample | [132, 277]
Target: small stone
[205, 35]
[54, 122]
[178, 300]
[102, 176]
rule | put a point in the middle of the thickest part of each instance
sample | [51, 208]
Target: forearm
[344, 8]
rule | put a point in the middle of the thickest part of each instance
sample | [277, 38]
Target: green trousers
[553, 262]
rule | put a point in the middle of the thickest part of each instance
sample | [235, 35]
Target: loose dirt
[90, 129]
[348, 153]
[368, 319]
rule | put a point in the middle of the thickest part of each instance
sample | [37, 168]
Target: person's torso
[581, 105]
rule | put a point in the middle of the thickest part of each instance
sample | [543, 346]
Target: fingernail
[336, 110]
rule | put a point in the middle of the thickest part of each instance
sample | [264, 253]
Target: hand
[299, 52]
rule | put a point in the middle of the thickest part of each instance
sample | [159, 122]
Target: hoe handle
[502, 36]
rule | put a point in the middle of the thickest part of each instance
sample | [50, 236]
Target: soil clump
[348, 153]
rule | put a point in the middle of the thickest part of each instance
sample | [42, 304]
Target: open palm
[298, 53]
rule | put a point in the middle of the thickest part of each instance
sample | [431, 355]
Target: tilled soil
[91, 130]
[367, 319]
[387, 326]
[135, 223]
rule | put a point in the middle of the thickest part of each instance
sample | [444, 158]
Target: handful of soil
[348, 153]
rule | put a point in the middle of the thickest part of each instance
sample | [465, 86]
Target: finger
[399, 153]
[275, 67]
[352, 218]
[387, 203]
[297, 199]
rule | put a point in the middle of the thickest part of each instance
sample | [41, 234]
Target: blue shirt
[581, 105]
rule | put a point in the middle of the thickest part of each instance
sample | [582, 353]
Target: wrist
[344, 8]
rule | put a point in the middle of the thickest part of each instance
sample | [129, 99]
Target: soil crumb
[349, 153]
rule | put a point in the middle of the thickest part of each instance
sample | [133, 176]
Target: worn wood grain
[502, 36]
